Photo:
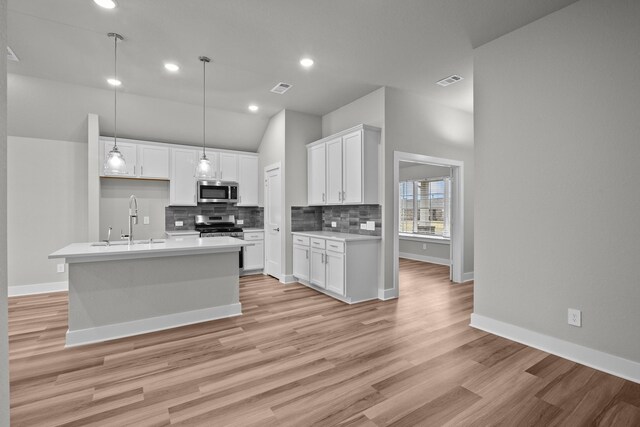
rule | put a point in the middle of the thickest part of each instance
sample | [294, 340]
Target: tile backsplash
[252, 216]
[347, 218]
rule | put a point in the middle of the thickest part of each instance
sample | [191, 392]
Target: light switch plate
[334, 224]
[146, 220]
[60, 268]
[179, 223]
[240, 222]
[371, 225]
[363, 226]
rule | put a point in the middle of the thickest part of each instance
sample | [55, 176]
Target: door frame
[277, 165]
[457, 212]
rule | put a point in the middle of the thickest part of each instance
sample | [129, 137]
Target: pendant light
[115, 164]
[203, 169]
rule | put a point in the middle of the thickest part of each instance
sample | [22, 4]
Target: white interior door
[273, 221]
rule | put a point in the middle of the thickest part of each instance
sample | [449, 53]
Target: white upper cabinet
[228, 167]
[247, 180]
[334, 171]
[153, 161]
[182, 185]
[351, 168]
[316, 171]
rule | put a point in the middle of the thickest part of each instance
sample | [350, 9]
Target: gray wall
[300, 129]
[52, 110]
[4, 350]
[47, 205]
[152, 197]
[415, 249]
[271, 149]
[415, 124]
[557, 125]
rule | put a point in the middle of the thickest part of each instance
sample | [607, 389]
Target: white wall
[423, 250]
[52, 110]
[47, 205]
[152, 197]
[557, 126]
[4, 345]
[368, 110]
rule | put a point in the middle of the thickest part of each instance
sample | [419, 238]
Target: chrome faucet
[133, 218]
[108, 241]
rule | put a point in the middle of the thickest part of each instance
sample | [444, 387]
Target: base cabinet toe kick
[336, 264]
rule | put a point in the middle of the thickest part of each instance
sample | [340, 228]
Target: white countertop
[85, 252]
[182, 233]
[252, 230]
[332, 235]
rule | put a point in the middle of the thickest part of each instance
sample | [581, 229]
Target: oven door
[216, 192]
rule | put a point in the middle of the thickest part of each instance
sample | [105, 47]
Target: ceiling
[357, 45]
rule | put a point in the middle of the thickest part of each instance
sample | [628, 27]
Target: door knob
[276, 229]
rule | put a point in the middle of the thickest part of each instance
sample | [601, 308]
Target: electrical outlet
[371, 225]
[424, 246]
[240, 222]
[145, 220]
[179, 223]
[363, 226]
[60, 268]
[575, 317]
[334, 224]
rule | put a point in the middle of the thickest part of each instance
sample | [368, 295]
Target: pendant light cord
[115, 91]
[204, 104]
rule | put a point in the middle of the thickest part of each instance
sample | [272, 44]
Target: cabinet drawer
[317, 243]
[254, 236]
[301, 240]
[335, 246]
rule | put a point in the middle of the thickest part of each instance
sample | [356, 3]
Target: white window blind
[425, 206]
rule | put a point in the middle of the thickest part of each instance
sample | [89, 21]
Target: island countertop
[90, 252]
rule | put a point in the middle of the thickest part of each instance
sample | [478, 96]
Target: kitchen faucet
[133, 219]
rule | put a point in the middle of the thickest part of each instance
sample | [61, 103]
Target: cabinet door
[254, 256]
[153, 161]
[316, 268]
[228, 167]
[248, 180]
[335, 272]
[301, 262]
[316, 175]
[334, 171]
[129, 152]
[182, 184]
[352, 168]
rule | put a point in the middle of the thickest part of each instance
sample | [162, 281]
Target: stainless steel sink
[126, 242]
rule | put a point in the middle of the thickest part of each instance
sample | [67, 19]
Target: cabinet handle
[334, 246]
[239, 199]
[343, 196]
[322, 259]
[134, 169]
[323, 197]
[307, 253]
[339, 195]
[142, 170]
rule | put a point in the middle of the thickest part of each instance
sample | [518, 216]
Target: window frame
[414, 235]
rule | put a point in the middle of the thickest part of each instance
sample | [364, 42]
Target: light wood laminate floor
[299, 358]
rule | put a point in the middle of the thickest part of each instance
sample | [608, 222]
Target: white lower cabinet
[253, 256]
[301, 262]
[345, 270]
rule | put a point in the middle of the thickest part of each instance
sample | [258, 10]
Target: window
[425, 206]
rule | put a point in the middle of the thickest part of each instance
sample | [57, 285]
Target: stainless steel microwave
[217, 192]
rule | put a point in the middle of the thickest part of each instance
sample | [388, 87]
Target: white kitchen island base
[115, 292]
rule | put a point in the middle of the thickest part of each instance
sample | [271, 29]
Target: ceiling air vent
[449, 80]
[281, 88]
[11, 56]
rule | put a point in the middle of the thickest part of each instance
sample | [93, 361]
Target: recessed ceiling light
[253, 108]
[107, 4]
[171, 67]
[114, 82]
[306, 62]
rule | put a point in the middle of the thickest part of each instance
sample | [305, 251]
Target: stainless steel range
[218, 225]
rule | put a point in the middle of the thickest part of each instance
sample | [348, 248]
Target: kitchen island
[120, 290]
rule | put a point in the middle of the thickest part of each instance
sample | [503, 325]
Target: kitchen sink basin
[125, 242]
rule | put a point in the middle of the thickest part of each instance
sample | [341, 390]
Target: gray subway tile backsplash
[251, 215]
[347, 218]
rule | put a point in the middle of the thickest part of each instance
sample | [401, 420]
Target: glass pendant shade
[115, 164]
[203, 168]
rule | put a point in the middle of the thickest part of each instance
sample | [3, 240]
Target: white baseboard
[153, 324]
[424, 258]
[38, 288]
[467, 277]
[595, 359]
[387, 294]
[287, 279]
